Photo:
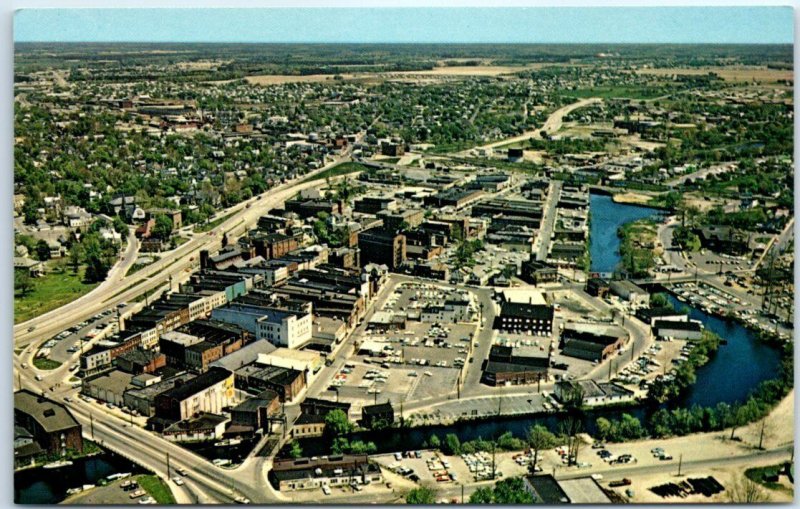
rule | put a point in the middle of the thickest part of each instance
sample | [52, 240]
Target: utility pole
[494, 449]
[609, 369]
[680, 463]
[167, 465]
[91, 424]
[462, 493]
[761, 435]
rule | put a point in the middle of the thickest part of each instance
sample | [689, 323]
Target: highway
[551, 125]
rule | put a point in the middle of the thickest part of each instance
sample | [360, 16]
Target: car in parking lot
[137, 494]
[657, 451]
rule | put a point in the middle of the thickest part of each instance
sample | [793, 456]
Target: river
[606, 218]
[40, 486]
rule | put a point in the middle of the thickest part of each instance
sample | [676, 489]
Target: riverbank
[37, 486]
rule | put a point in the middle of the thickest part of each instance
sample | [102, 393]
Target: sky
[742, 24]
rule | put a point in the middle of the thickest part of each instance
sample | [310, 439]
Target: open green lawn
[156, 488]
[49, 292]
[213, 224]
[339, 169]
[617, 92]
[43, 363]
[136, 267]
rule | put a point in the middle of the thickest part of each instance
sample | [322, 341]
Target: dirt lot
[280, 79]
[727, 476]
[738, 74]
[469, 70]
[633, 198]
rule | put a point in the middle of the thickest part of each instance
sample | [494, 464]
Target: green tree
[22, 282]
[452, 445]
[421, 496]
[75, 255]
[540, 438]
[295, 450]
[120, 226]
[604, 428]
[482, 496]
[162, 229]
[337, 423]
[658, 300]
[434, 442]
[42, 250]
[512, 491]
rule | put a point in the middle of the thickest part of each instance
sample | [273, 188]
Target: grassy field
[49, 292]
[42, 363]
[136, 267]
[735, 74]
[617, 92]
[213, 224]
[156, 488]
[339, 169]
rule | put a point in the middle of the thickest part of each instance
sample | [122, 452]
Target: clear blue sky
[436, 25]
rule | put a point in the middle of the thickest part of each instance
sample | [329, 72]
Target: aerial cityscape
[352, 273]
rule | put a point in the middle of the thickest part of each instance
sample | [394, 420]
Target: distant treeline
[280, 58]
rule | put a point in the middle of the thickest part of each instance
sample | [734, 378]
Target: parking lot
[360, 383]
[64, 346]
[484, 406]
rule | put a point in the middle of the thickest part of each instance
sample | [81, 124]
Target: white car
[326, 490]
[177, 480]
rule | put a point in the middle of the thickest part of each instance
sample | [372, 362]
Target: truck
[620, 482]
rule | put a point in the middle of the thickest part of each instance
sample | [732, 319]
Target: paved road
[548, 220]
[551, 125]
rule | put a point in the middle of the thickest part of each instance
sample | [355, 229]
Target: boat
[228, 442]
[221, 462]
[114, 477]
[73, 491]
[58, 464]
